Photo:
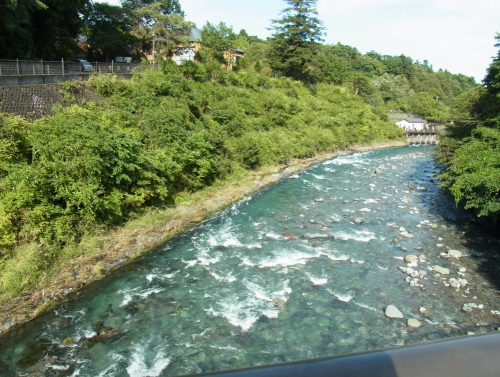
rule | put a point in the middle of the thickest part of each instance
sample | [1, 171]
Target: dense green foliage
[91, 167]
[471, 151]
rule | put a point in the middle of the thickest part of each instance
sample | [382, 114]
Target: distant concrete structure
[422, 137]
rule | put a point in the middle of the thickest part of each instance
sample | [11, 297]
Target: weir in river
[422, 137]
[303, 269]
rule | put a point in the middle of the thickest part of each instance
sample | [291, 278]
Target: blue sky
[457, 35]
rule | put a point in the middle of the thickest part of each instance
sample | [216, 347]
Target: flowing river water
[240, 290]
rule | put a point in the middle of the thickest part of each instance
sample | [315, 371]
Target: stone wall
[36, 101]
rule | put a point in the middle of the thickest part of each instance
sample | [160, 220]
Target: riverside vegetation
[470, 153]
[165, 133]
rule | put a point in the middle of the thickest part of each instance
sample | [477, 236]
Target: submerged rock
[279, 303]
[312, 236]
[392, 312]
[406, 235]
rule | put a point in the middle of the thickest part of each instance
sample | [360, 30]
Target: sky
[457, 35]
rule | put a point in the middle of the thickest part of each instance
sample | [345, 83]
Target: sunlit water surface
[235, 292]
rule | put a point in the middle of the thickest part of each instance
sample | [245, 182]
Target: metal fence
[41, 67]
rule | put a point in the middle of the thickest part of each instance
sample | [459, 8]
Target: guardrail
[42, 67]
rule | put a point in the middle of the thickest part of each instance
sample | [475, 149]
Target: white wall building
[412, 124]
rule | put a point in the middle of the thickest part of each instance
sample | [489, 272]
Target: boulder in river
[392, 312]
[365, 210]
[442, 270]
[411, 259]
[455, 253]
[289, 235]
[358, 221]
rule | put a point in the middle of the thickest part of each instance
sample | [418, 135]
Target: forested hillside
[55, 29]
[471, 152]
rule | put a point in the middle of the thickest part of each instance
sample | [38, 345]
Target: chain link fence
[41, 67]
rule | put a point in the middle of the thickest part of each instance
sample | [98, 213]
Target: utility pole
[154, 34]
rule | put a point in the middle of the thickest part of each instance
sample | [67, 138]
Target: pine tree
[295, 43]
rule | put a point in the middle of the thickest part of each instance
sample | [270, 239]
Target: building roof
[415, 120]
[195, 35]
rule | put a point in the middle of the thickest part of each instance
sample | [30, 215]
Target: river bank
[106, 253]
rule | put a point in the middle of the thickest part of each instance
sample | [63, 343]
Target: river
[303, 269]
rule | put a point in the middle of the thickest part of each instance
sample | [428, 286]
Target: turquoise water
[235, 292]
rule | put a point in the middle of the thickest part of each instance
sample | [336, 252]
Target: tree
[107, 31]
[295, 43]
[166, 6]
[169, 30]
[217, 40]
[492, 79]
[16, 40]
[55, 28]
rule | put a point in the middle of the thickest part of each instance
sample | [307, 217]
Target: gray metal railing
[42, 67]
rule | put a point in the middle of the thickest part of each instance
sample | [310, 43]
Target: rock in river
[441, 270]
[455, 253]
[415, 323]
[312, 236]
[411, 259]
[392, 312]
[358, 221]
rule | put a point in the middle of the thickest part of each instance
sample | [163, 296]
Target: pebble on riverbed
[414, 323]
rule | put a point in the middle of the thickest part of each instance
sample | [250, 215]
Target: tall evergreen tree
[295, 43]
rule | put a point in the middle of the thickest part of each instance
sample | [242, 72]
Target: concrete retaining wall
[36, 101]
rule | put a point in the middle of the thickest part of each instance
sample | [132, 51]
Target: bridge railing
[43, 67]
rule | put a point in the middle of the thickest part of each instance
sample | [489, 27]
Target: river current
[302, 269]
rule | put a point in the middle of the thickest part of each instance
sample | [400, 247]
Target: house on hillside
[412, 124]
[188, 53]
